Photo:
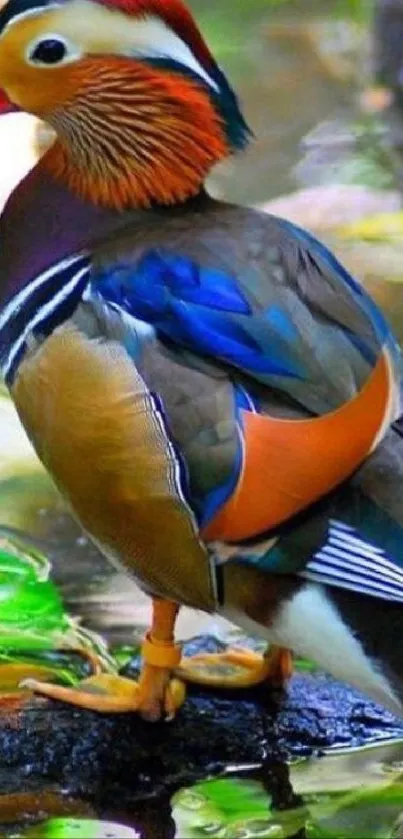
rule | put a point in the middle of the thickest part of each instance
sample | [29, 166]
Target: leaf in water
[234, 797]
[346, 796]
[364, 813]
[232, 809]
[196, 816]
[371, 766]
[81, 829]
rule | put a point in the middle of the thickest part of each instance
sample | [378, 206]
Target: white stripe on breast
[22, 296]
[42, 313]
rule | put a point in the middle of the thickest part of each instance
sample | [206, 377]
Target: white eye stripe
[191, 65]
[95, 29]
[152, 38]
[28, 13]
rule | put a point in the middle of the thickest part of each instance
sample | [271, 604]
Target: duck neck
[44, 223]
[41, 224]
[132, 135]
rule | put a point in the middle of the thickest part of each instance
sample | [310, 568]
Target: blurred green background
[294, 63]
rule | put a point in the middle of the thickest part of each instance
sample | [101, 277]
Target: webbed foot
[238, 668]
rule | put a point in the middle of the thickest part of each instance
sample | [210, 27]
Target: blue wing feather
[195, 307]
[190, 283]
[275, 331]
[309, 330]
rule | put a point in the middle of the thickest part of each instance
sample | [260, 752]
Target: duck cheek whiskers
[130, 135]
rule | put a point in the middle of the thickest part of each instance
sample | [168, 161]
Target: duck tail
[354, 575]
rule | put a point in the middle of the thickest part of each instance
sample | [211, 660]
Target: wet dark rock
[120, 758]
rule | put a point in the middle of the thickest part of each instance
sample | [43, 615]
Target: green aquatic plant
[371, 813]
[36, 634]
[347, 795]
[80, 829]
[340, 794]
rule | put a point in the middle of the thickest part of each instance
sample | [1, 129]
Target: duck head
[140, 108]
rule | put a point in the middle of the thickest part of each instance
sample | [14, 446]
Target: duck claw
[113, 694]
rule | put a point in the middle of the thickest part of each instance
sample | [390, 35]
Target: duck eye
[49, 51]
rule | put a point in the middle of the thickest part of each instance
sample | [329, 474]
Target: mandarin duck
[202, 380]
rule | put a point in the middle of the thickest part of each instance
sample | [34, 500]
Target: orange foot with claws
[157, 694]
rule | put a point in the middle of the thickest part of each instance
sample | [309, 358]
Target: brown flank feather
[109, 457]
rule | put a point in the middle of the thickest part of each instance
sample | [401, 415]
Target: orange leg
[238, 668]
[160, 657]
[154, 696]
